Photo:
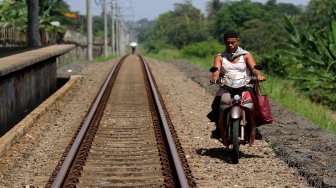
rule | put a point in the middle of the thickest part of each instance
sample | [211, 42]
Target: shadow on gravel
[223, 154]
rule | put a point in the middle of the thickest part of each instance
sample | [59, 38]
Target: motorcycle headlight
[236, 97]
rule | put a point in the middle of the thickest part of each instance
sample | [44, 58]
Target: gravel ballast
[188, 105]
[188, 98]
[294, 139]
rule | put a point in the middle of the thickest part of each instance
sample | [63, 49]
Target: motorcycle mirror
[213, 69]
[258, 67]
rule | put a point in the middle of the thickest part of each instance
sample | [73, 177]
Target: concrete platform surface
[21, 60]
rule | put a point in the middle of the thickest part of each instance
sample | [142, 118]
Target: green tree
[143, 29]
[260, 25]
[281, 8]
[233, 15]
[182, 26]
[15, 13]
[98, 26]
[50, 10]
[54, 10]
[319, 13]
[256, 35]
[213, 7]
[309, 58]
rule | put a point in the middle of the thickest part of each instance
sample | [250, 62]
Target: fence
[12, 39]
[11, 35]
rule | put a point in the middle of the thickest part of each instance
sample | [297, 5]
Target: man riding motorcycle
[234, 61]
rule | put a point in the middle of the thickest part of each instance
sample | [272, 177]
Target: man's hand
[261, 78]
[213, 80]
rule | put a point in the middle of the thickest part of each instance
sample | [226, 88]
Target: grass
[282, 92]
[173, 54]
[96, 59]
[100, 59]
[278, 89]
[164, 55]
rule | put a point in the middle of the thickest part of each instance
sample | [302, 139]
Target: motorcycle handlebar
[253, 79]
[219, 81]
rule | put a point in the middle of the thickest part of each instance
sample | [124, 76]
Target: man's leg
[213, 115]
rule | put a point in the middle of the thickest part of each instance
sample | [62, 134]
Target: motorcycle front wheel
[235, 141]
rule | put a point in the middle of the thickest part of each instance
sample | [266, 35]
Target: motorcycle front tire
[235, 141]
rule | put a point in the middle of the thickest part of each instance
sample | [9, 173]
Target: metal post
[105, 28]
[117, 32]
[89, 29]
[113, 28]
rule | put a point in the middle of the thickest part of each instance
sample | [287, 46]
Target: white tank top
[235, 70]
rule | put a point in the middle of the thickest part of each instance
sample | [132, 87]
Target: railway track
[126, 139]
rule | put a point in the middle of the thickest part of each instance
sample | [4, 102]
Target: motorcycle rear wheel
[235, 141]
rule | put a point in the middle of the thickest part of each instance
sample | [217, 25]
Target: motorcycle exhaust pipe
[242, 133]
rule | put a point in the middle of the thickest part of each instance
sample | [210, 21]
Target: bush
[274, 63]
[156, 46]
[202, 49]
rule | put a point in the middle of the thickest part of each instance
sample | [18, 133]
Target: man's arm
[218, 64]
[250, 63]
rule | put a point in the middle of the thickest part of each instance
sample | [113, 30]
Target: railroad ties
[126, 139]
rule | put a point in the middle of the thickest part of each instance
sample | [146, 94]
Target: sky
[150, 9]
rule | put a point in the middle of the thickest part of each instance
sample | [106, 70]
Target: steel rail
[74, 148]
[176, 159]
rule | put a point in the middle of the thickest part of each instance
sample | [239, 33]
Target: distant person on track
[133, 46]
[234, 60]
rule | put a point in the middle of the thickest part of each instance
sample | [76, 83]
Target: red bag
[262, 108]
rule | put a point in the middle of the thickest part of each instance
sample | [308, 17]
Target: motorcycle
[236, 128]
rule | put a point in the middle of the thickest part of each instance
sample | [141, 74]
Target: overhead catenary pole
[120, 35]
[33, 23]
[113, 27]
[123, 38]
[117, 32]
[89, 29]
[126, 40]
[105, 28]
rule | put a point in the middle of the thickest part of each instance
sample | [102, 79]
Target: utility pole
[113, 27]
[105, 28]
[117, 32]
[118, 28]
[89, 29]
[33, 23]
[122, 38]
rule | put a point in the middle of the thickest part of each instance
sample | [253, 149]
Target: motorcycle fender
[235, 112]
